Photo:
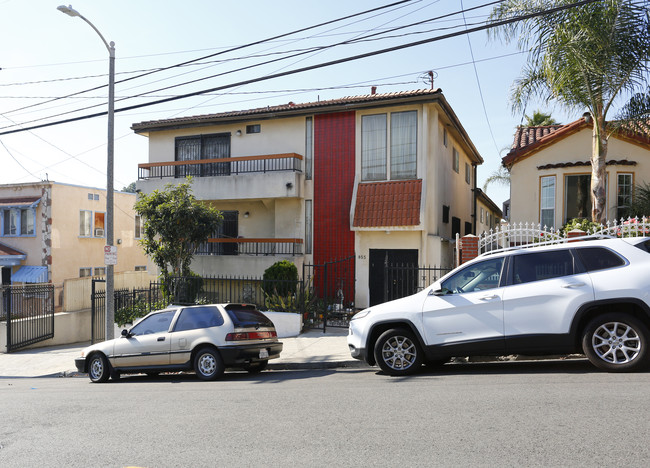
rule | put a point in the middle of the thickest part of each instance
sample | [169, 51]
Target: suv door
[545, 289]
[467, 311]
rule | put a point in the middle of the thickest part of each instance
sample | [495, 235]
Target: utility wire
[317, 66]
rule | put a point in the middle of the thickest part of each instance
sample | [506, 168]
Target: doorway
[379, 258]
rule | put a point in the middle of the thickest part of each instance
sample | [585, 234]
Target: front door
[401, 283]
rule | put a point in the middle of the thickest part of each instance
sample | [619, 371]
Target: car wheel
[397, 352]
[208, 364]
[98, 368]
[616, 343]
[256, 367]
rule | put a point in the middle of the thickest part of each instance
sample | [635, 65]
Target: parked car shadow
[268, 376]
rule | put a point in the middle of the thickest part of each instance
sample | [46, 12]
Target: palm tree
[540, 119]
[501, 176]
[587, 57]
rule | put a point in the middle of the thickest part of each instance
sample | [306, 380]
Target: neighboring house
[550, 172]
[50, 232]
[489, 214]
[380, 177]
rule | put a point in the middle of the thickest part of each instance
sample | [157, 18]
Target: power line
[314, 67]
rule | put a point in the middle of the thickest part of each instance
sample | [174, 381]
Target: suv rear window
[644, 246]
[247, 316]
[599, 258]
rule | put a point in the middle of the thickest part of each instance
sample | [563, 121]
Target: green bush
[133, 312]
[280, 279]
[583, 224]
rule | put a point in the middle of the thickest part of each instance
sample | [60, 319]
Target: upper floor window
[88, 221]
[199, 147]
[18, 222]
[456, 160]
[376, 150]
[138, 227]
[468, 173]
[255, 128]
[309, 147]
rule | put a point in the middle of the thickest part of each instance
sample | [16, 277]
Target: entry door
[379, 258]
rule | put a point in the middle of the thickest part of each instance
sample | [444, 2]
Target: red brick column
[468, 248]
[575, 233]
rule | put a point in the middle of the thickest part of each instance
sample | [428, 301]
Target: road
[561, 413]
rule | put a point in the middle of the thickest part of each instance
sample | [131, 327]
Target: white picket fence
[529, 234]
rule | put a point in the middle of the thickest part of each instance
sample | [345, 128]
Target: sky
[50, 65]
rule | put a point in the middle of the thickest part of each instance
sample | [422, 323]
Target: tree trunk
[598, 172]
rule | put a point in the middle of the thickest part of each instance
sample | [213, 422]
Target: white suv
[591, 296]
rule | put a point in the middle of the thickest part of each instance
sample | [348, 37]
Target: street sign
[110, 255]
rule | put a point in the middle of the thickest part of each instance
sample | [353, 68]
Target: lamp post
[110, 299]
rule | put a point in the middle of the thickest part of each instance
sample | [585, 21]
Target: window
[468, 174]
[456, 161]
[27, 222]
[138, 226]
[256, 128]
[468, 228]
[476, 277]
[547, 202]
[195, 148]
[542, 266]
[455, 226]
[403, 145]
[198, 317]
[624, 186]
[84, 272]
[100, 271]
[85, 223]
[598, 258]
[482, 214]
[157, 323]
[308, 226]
[445, 214]
[402, 150]
[577, 198]
[373, 147]
[444, 137]
[309, 147]
[140, 268]
[99, 224]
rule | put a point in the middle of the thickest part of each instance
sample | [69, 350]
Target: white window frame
[85, 223]
[137, 229]
[547, 200]
[309, 147]
[629, 185]
[456, 161]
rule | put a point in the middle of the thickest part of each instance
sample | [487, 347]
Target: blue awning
[30, 274]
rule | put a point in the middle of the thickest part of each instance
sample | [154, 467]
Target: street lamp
[110, 299]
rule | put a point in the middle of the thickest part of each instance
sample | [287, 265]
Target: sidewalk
[311, 350]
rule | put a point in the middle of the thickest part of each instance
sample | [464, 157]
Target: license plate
[264, 354]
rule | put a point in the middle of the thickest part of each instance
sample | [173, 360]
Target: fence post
[575, 233]
[469, 248]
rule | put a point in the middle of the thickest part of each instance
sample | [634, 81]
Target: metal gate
[29, 311]
[98, 313]
[328, 293]
[404, 279]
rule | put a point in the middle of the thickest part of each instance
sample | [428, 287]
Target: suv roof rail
[558, 240]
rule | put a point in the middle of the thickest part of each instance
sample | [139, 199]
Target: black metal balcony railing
[288, 162]
[255, 247]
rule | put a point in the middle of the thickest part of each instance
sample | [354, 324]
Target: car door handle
[573, 285]
[489, 298]
[162, 338]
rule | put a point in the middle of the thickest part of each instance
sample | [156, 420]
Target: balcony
[251, 247]
[288, 162]
[238, 178]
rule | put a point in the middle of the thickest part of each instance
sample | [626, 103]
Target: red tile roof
[528, 140]
[291, 107]
[388, 204]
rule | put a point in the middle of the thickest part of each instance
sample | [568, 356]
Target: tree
[501, 176]
[587, 57]
[129, 188]
[175, 224]
[540, 119]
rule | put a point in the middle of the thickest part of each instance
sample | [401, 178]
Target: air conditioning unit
[99, 232]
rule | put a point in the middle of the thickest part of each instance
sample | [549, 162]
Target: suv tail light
[244, 336]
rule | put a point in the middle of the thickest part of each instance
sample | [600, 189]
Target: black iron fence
[29, 312]
[401, 280]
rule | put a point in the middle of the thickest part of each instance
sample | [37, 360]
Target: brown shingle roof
[388, 204]
[6, 250]
[18, 201]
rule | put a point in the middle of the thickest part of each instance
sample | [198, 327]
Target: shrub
[280, 279]
[136, 310]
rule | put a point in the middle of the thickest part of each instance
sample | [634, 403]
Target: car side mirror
[126, 334]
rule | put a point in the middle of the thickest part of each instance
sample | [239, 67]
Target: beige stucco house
[51, 232]
[369, 178]
[550, 172]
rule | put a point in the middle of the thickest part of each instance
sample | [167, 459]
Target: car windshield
[247, 316]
